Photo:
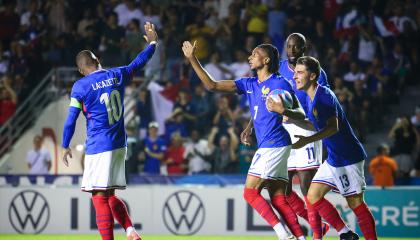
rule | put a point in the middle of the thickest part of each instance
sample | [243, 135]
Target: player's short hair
[273, 54]
[299, 37]
[86, 58]
[311, 64]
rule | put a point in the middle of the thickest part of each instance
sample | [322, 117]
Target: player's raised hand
[301, 142]
[273, 106]
[67, 153]
[150, 32]
[189, 49]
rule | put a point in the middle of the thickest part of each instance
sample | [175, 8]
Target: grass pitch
[120, 237]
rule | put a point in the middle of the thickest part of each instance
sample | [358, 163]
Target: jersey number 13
[113, 105]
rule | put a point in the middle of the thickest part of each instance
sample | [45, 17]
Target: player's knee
[354, 201]
[313, 196]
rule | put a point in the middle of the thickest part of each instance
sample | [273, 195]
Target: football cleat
[350, 235]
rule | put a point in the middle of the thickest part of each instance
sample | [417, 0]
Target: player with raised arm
[269, 165]
[302, 162]
[343, 169]
[100, 95]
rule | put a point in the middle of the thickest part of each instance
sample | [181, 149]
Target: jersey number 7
[113, 106]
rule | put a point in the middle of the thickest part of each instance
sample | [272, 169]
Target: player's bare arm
[246, 134]
[210, 84]
[327, 131]
[302, 123]
[296, 112]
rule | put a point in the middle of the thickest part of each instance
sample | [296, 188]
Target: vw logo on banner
[183, 213]
[29, 212]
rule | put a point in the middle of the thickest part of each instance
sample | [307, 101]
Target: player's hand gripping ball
[276, 94]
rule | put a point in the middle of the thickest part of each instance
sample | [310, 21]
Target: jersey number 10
[113, 106]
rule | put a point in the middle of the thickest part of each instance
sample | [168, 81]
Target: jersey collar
[265, 79]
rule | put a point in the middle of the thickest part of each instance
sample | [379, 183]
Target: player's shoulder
[283, 63]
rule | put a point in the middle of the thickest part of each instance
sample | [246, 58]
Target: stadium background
[369, 50]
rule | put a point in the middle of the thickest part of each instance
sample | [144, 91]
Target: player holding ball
[269, 164]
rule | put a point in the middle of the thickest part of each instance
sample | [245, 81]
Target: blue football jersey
[152, 165]
[268, 125]
[343, 147]
[102, 96]
[288, 73]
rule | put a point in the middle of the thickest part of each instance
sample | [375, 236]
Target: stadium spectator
[112, 40]
[144, 111]
[405, 138]
[176, 123]
[8, 100]
[415, 119]
[126, 11]
[174, 158]
[154, 148]
[219, 70]
[197, 152]
[383, 168]
[38, 159]
[225, 159]
[201, 33]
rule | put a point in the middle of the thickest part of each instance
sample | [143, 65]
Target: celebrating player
[343, 169]
[269, 165]
[100, 94]
[302, 162]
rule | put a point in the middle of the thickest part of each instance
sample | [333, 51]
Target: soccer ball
[287, 98]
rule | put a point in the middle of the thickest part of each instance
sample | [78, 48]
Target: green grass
[119, 237]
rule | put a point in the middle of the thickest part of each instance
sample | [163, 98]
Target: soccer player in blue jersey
[305, 161]
[269, 165]
[343, 169]
[100, 95]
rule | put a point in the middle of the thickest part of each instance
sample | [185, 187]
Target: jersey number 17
[113, 105]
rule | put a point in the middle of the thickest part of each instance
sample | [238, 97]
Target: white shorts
[270, 163]
[307, 157]
[104, 170]
[347, 180]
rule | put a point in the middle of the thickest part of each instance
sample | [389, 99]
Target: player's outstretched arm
[227, 86]
[330, 129]
[69, 127]
[142, 58]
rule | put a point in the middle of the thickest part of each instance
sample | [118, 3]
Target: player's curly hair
[273, 54]
[311, 64]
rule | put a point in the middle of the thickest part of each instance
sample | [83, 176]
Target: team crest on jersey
[265, 90]
[315, 113]
[155, 147]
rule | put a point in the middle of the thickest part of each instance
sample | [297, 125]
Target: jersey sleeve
[241, 85]
[285, 85]
[323, 79]
[76, 96]
[327, 107]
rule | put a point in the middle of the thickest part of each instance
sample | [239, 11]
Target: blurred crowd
[369, 50]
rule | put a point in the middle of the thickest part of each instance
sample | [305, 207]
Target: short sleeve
[241, 85]
[77, 93]
[327, 107]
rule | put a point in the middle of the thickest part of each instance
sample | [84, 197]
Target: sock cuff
[99, 198]
[251, 191]
[318, 203]
[360, 208]
[280, 198]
